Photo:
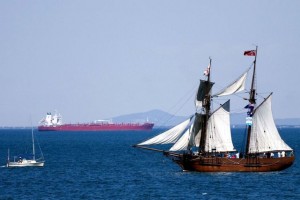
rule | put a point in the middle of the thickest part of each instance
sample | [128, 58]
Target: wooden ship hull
[217, 164]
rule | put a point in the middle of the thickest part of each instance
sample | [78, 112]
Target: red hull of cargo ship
[98, 127]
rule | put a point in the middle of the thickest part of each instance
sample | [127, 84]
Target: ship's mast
[33, 148]
[206, 105]
[252, 101]
[207, 92]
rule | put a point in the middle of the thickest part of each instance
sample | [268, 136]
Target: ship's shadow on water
[104, 165]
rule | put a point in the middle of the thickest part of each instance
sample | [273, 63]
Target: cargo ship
[54, 123]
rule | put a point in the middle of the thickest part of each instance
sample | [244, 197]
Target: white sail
[264, 134]
[236, 86]
[169, 136]
[218, 131]
[183, 142]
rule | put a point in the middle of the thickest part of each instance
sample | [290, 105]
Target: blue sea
[103, 165]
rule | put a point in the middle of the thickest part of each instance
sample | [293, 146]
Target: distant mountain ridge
[158, 117]
[164, 119]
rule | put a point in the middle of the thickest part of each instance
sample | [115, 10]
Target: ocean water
[103, 165]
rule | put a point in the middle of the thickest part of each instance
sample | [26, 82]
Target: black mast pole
[206, 106]
[252, 100]
[252, 91]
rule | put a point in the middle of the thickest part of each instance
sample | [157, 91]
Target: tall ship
[54, 123]
[203, 143]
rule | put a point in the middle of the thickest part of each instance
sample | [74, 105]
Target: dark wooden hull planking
[218, 164]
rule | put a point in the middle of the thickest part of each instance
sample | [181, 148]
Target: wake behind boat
[26, 160]
[203, 142]
[54, 123]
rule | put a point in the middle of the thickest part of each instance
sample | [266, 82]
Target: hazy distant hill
[158, 117]
[161, 118]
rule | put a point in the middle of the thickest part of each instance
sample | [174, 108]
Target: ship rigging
[203, 142]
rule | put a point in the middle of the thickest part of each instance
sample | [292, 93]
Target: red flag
[250, 53]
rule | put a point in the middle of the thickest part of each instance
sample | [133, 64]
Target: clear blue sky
[99, 59]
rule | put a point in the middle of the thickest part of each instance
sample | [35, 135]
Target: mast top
[209, 70]
[252, 98]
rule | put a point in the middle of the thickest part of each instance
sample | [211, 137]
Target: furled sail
[218, 136]
[203, 89]
[236, 86]
[183, 142]
[169, 136]
[264, 134]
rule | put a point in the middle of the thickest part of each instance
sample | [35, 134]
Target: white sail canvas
[218, 132]
[183, 142]
[264, 134]
[236, 86]
[169, 136]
